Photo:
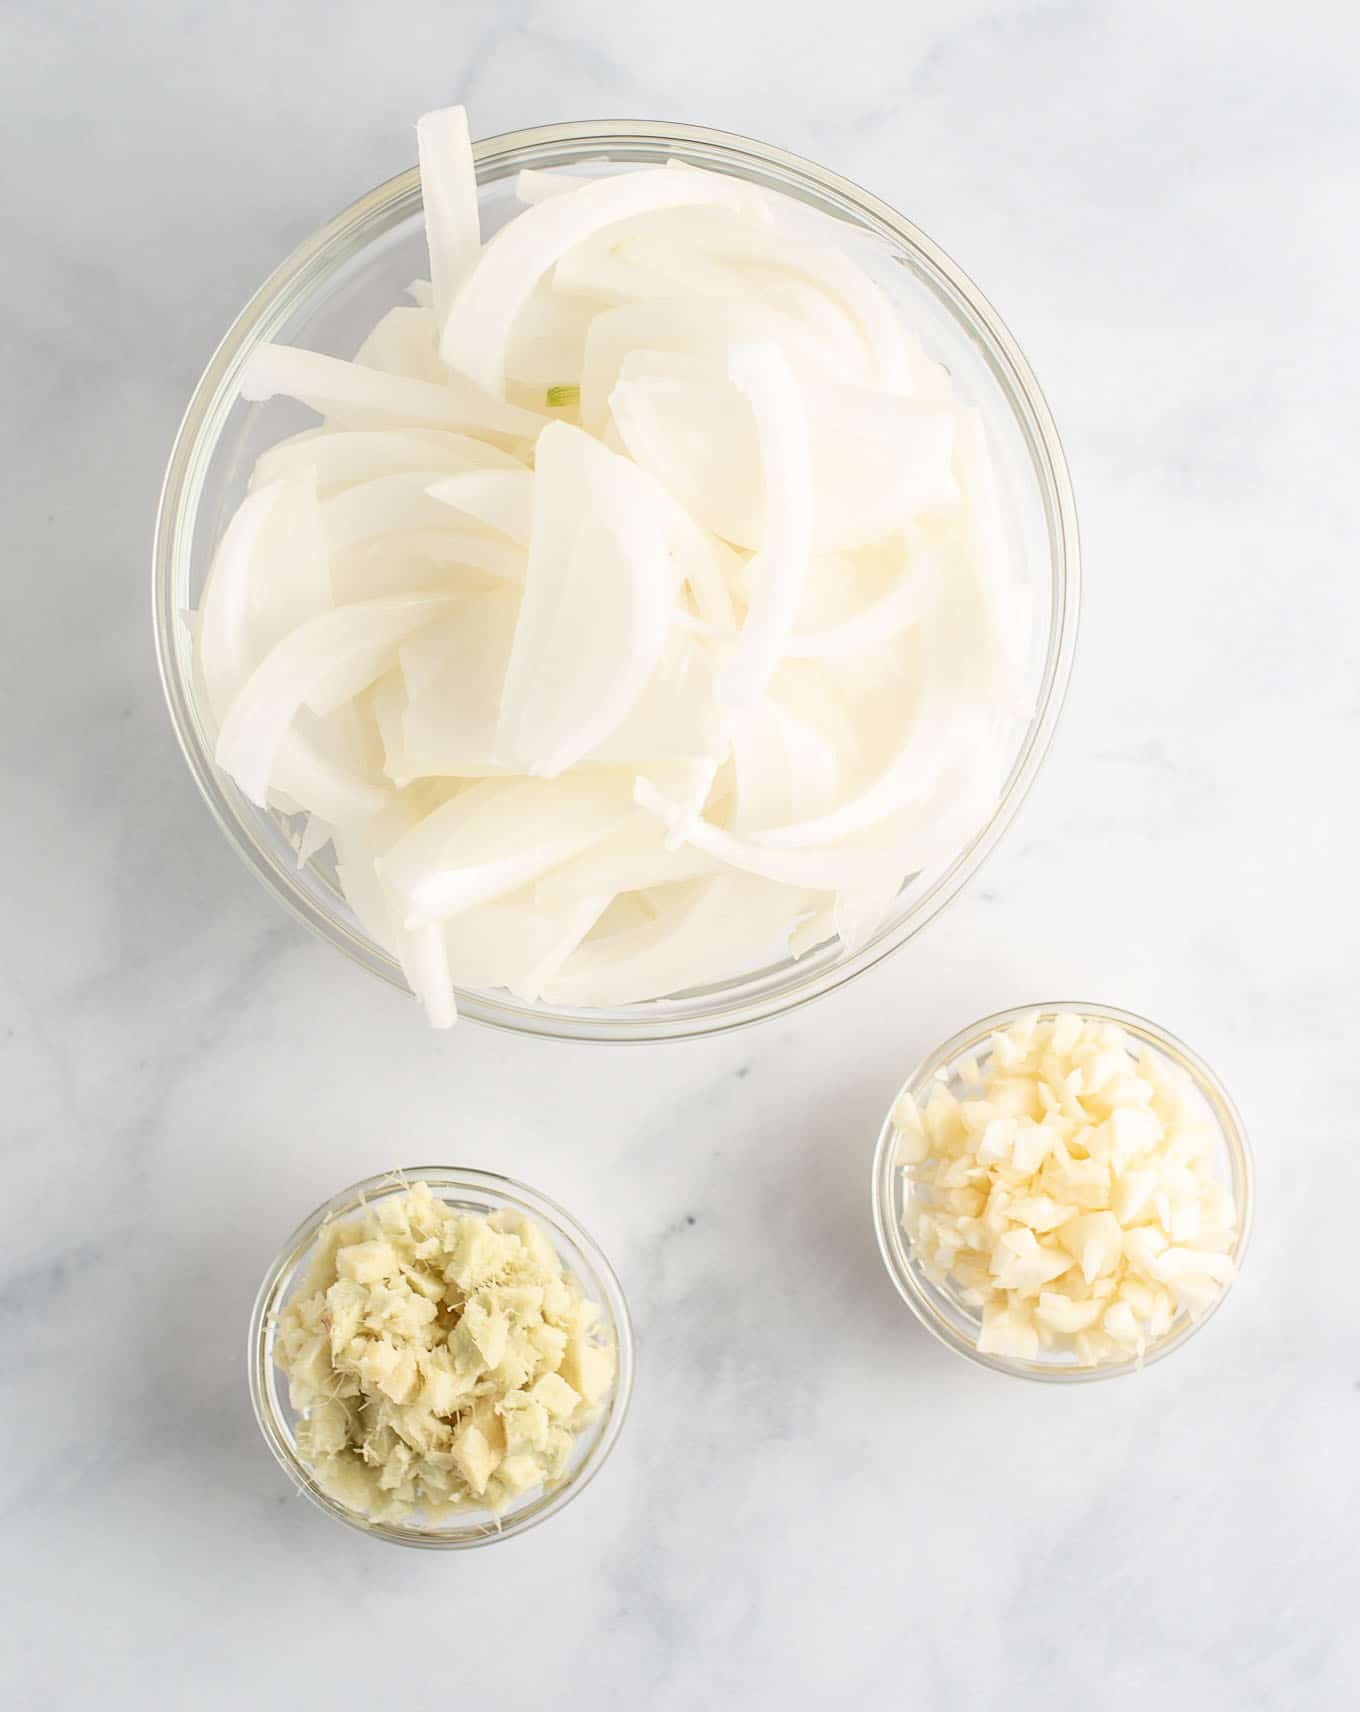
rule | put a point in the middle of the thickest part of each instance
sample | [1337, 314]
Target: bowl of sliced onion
[617, 581]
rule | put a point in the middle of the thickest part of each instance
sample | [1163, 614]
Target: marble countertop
[812, 1505]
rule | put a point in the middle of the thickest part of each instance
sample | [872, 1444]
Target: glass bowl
[328, 294]
[938, 1308]
[474, 1192]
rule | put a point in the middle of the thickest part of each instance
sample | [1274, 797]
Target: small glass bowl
[327, 295]
[474, 1192]
[938, 1308]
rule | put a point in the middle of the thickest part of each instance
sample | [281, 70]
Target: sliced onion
[841, 279]
[547, 347]
[597, 548]
[908, 597]
[448, 188]
[762, 375]
[315, 770]
[684, 328]
[652, 256]
[426, 561]
[367, 398]
[501, 499]
[268, 576]
[316, 835]
[706, 931]
[676, 717]
[478, 329]
[534, 184]
[392, 504]
[347, 456]
[387, 705]
[877, 460]
[512, 943]
[453, 671]
[813, 870]
[405, 343]
[494, 837]
[632, 858]
[423, 955]
[355, 640]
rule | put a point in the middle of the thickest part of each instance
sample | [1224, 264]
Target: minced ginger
[440, 1359]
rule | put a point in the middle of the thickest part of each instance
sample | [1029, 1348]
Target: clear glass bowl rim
[505, 1191]
[736, 1004]
[919, 1294]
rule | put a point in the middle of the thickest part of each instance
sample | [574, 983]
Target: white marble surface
[812, 1506]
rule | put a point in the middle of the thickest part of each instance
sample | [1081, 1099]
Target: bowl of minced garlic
[441, 1357]
[1063, 1192]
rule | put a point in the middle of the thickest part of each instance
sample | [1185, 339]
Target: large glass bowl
[328, 294]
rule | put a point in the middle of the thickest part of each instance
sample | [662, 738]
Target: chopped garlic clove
[1005, 1331]
[1061, 1314]
[1095, 1242]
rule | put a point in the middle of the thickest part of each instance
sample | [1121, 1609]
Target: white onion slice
[494, 837]
[315, 769]
[501, 499]
[425, 561]
[448, 189]
[905, 602]
[548, 344]
[535, 184]
[907, 779]
[425, 961]
[842, 280]
[1007, 606]
[812, 870]
[652, 256]
[711, 252]
[223, 641]
[268, 576]
[369, 398]
[479, 325]
[676, 717]
[357, 639]
[405, 343]
[684, 328]
[423, 955]
[387, 705]
[393, 504]
[453, 671]
[632, 858]
[345, 457]
[877, 460]
[785, 766]
[706, 931]
[597, 548]
[762, 375]
[315, 836]
[512, 943]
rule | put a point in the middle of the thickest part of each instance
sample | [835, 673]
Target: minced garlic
[1069, 1195]
[440, 1360]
